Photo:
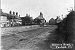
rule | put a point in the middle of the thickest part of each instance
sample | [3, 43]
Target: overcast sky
[49, 8]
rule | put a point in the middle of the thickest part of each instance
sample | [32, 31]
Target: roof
[40, 17]
[8, 15]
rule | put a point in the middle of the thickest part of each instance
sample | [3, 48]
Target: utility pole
[74, 5]
[0, 8]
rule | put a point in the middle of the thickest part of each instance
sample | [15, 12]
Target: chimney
[17, 13]
[74, 5]
[0, 12]
[27, 15]
[10, 12]
[41, 13]
[13, 13]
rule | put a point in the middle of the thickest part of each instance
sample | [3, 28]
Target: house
[58, 19]
[40, 19]
[9, 19]
[52, 21]
[27, 20]
[3, 19]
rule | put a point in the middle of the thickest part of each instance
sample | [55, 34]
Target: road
[28, 40]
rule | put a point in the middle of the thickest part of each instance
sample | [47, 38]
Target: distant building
[8, 20]
[58, 19]
[27, 20]
[52, 21]
[41, 18]
[3, 19]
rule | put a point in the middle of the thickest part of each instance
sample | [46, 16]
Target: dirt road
[27, 39]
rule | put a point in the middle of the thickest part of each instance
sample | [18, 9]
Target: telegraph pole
[74, 5]
[0, 7]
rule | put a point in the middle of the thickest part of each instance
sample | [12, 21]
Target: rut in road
[33, 35]
[13, 40]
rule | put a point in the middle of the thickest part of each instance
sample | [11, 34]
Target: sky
[49, 8]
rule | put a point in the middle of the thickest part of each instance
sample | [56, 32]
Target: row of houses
[12, 19]
[9, 19]
[53, 21]
[27, 20]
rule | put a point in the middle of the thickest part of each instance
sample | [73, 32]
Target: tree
[27, 20]
[66, 29]
[37, 21]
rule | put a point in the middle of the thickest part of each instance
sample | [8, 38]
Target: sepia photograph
[37, 24]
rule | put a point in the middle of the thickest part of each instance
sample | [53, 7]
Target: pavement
[27, 40]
